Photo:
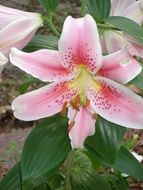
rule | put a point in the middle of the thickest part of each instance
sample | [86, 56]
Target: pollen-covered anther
[87, 102]
[76, 102]
[63, 108]
[94, 116]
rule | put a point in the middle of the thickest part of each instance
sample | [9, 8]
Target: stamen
[93, 115]
[77, 100]
[87, 103]
[63, 108]
[72, 121]
[71, 125]
[75, 103]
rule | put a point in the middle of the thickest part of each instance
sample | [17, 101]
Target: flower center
[83, 80]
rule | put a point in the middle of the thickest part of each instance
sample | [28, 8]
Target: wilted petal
[83, 127]
[120, 66]
[117, 103]
[18, 33]
[43, 102]
[79, 43]
[43, 64]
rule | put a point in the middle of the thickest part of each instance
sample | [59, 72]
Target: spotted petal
[43, 64]
[120, 66]
[43, 102]
[79, 43]
[117, 103]
[84, 126]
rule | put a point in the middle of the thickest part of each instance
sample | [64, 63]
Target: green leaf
[42, 42]
[128, 26]
[42, 186]
[46, 147]
[117, 182]
[99, 8]
[49, 5]
[106, 142]
[12, 180]
[83, 176]
[29, 80]
[128, 164]
[56, 181]
[138, 80]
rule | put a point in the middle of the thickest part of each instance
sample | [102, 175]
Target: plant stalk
[83, 7]
[51, 25]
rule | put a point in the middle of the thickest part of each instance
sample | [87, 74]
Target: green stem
[83, 7]
[68, 167]
[51, 25]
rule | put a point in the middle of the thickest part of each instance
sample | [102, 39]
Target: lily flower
[82, 80]
[16, 29]
[114, 40]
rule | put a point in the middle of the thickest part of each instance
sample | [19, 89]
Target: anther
[64, 108]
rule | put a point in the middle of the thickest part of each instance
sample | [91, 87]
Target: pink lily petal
[134, 12]
[79, 43]
[118, 6]
[120, 66]
[83, 127]
[43, 102]
[43, 64]
[117, 103]
[18, 33]
[133, 46]
[113, 41]
[8, 15]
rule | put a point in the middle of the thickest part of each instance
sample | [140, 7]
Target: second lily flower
[16, 30]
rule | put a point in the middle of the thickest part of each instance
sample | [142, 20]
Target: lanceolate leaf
[99, 8]
[128, 164]
[45, 148]
[106, 141]
[42, 42]
[12, 179]
[128, 26]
